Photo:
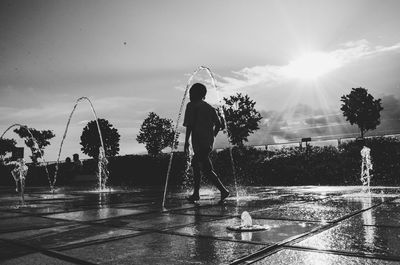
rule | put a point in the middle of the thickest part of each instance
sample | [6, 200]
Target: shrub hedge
[314, 165]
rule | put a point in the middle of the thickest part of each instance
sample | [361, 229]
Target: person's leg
[16, 178]
[208, 170]
[196, 179]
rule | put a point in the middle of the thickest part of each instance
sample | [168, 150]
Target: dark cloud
[391, 107]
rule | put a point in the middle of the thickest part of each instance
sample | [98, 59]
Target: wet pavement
[304, 225]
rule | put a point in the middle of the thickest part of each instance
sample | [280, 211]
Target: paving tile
[352, 236]
[9, 215]
[94, 214]
[389, 207]
[156, 221]
[156, 248]
[43, 209]
[9, 250]
[364, 199]
[396, 201]
[54, 237]
[28, 222]
[278, 230]
[34, 259]
[222, 210]
[256, 202]
[325, 211]
[377, 217]
[301, 257]
[128, 226]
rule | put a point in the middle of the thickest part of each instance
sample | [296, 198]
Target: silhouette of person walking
[202, 124]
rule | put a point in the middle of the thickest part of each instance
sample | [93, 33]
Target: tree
[241, 117]
[40, 141]
[6, 146]
[156, 133]
[359, 107]
[90, 139]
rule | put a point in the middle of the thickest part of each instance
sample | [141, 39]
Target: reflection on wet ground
[306, 225]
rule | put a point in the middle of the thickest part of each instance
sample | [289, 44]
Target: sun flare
[310, 66]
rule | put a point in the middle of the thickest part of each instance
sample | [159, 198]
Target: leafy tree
[90, 139]
[6, 146]
[156, 133]
[241, 117]
[40, 141]
[359, 107]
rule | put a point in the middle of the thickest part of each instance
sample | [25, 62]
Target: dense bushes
[289, 166]
[385, 155]
[145, 170]
[314, 165]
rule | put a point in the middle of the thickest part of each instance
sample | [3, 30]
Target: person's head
[75, 157]
[198, 91]
[68, 160]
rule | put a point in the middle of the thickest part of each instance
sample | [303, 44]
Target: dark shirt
[201, 117]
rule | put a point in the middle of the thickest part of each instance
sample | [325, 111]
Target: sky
[295, 59]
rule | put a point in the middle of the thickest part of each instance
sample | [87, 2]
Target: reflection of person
[68, 170]
[202, 124]
[77, 164]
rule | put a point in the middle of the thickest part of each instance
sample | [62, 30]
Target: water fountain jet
[38, 148]
[246, 224]
[102, 170]
[366, 166]
[19, 174]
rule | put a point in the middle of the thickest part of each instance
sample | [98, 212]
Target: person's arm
[187, 122]
[187, 137]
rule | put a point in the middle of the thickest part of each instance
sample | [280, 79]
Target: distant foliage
[326, 165]
[6, 146]
[241, 117]
[385, 156]
[359, 107]
[156, 133]
[90, 139]
[41, 137]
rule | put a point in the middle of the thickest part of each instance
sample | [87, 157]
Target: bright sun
[310, 66]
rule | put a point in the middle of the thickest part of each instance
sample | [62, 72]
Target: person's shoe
[224, 195]
[193, 198]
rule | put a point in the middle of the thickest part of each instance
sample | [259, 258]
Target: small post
[306, 140]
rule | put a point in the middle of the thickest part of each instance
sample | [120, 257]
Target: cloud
[296, 122]
[272, 75]
[121, 106]
[391, 107]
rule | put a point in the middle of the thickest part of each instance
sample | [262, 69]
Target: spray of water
[36, 146]
[66, 130]
[366, 166]
[102, 173]
[173, 147]
[19, 173]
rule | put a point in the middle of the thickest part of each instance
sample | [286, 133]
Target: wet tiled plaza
[306, 225]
